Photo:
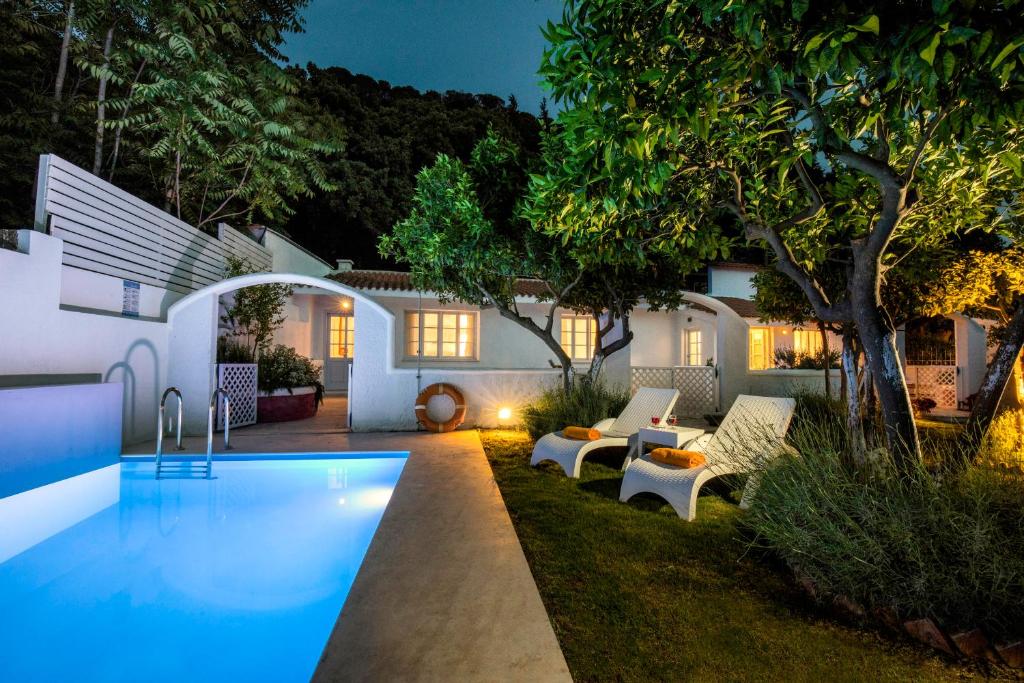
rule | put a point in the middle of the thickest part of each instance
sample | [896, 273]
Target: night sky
[478, 46]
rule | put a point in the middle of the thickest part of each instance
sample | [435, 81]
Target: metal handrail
[160, 426]
[209, 427]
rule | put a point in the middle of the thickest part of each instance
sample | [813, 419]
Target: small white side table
[671, 437]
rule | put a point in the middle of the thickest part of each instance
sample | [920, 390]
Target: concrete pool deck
[444, 592]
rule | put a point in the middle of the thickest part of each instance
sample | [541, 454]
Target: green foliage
[788, 359]
[984, 284]
[450, 243]
[848, 134]
[945, 546]
[586, 404]
[392, 132]
[280, 367]
[467, 240]
[223, 133]
[254, 312]
[230, 350]
[194, 114]
[1003, 445]
[627, 586]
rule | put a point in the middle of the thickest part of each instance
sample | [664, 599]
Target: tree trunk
[878, 339]
[825, 357]
[854, 421]
[124, 115]
[999, 372]
[101, 97]
[62, 63]
[554, 345]
[869, 410]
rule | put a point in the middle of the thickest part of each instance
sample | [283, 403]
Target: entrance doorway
[339, 329]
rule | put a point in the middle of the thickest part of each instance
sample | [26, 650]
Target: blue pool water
[114, 576]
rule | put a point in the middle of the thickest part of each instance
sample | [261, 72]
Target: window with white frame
[441, 334]
[761, 349]
[342, 336]
[693, 347]
[579, 332]
[807, 342]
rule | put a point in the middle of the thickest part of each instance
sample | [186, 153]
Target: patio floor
[444, 592]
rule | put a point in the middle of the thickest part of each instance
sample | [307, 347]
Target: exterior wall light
[504, 413]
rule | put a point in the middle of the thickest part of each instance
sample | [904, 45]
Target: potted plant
[289, 386]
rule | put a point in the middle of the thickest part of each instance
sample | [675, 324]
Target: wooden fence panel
[107, 230]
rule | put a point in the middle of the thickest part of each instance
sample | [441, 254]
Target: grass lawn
[636, 594]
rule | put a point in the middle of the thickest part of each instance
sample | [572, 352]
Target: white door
[340, 343]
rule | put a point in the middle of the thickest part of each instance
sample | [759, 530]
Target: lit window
[342, 335]
[579, 332]
[693, 353]
[761, 349]
[807, 342]
[440, 334]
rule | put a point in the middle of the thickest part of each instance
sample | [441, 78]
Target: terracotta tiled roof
[397, 281]
[744, 307]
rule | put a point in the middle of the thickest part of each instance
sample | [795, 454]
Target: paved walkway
[444, 592]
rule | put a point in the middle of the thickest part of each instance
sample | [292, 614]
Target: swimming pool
[115, 576]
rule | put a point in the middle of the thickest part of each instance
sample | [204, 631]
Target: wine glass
[672, 421]
[655, 421]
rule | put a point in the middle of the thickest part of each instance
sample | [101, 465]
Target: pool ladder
[187, 468]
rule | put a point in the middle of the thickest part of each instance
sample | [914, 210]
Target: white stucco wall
[971, 355]
[39, 337]
[90, 291]
[291, 258]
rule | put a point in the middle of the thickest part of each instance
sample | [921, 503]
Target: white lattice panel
[697, 386]
[937, 382]
[239, 380]
[659, 378]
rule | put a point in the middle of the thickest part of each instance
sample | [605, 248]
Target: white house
[106, 288]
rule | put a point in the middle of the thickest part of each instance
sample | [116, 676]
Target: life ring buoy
[440, 389]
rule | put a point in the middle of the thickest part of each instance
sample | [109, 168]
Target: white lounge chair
[615, 431]
[751, 432]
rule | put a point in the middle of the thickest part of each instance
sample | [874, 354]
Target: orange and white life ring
[440, 389]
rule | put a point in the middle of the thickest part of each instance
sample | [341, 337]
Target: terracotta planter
[280, 406]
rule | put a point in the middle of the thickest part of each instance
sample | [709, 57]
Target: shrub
[281, 367]
[230, 350]
[944, 545]
[1003, 444]
[923, 406]
[789, 359]
[585, 404]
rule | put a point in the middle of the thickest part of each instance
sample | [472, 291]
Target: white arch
[240, 281]
[192, 329]
[714, 304]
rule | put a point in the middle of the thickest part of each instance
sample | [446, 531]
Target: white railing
[697, 386]
[109, 231]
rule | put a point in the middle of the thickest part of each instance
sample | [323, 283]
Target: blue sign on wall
[130, 299]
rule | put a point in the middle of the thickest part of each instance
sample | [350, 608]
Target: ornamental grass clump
[585, 404]
[943, 543]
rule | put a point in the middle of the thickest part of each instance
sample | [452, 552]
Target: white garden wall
[40, 337]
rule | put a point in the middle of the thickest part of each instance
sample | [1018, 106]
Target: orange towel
[677, 457]
[581, 433]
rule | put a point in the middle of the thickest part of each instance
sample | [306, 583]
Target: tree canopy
[827, 131]
[469, 239]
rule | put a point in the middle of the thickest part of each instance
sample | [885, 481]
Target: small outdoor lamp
[345, 304]
[505, 413]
